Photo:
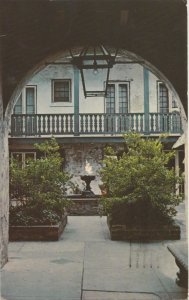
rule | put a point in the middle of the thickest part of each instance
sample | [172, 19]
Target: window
[30, 100]
[61, 90]
[163, 99]
[117, 100]
[26, 103]
[23, 157]
[123, 98]
[110, 99]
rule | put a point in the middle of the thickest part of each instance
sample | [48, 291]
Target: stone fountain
[86, 203]
[87, 193]
[87, 177]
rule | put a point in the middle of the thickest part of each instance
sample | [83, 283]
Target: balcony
[94, 124]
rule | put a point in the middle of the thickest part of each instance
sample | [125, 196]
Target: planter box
[38, 232]
[122, 232]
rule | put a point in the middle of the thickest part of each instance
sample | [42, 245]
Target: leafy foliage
[38, 189]
[141, 187]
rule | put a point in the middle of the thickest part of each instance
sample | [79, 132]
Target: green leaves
[39, 187]
[142, 174]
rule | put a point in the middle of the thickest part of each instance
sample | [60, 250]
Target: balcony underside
[28, 142]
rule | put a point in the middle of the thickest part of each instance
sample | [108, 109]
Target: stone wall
[4, 180]
[83, 159]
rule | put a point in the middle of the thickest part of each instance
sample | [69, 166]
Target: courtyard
[85, 264]
[45, 49]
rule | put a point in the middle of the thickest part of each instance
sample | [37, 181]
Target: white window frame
[70, 91]
[116, 84]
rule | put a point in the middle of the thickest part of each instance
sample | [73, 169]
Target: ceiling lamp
[94, 64]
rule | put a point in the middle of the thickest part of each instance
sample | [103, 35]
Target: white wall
[132, 73]
[43, 80]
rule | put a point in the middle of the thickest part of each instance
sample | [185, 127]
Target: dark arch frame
[155, 30]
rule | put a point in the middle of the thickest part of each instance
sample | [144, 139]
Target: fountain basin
[87, 193]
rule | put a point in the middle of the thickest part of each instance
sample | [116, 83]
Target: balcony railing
[92, 124]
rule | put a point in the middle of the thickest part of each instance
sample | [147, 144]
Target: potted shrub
[141, 198]
[37, 196]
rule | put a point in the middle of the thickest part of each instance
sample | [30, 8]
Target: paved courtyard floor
[86, 265]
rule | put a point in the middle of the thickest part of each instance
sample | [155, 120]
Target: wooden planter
[38, 232]
[122, 232]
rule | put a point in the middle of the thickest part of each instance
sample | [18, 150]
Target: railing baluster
[118, 123]
[126, 122]
[112, 124]
[48, 131]
[43, 124]
[165, 123]
[53, 124]
[178, 122]
[47, 124]
[61, 123]
[71, 123]
[136, 122]
[91, 123]
[156, 123]
[95, 124]
[88, 124]
[140, 122]
[151, 123]
[81, 124]
[38, 131]
[100, 123]
[66, 124]
[161, 123]
[85, 123]
[132, 122]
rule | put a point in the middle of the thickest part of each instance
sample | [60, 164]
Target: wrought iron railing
[90, 124]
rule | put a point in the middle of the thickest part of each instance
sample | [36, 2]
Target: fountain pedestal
[87, 193]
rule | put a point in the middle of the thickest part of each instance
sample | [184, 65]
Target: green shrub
[38, 189]
[140, 186]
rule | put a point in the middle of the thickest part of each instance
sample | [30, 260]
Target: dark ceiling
[154, 29]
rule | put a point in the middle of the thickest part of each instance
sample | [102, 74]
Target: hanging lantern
[94, 64]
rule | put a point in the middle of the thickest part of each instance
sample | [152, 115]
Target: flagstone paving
[86, 265]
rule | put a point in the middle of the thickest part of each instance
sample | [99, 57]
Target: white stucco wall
[132, 73]
[43, 81]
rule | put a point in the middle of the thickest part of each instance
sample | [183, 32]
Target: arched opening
[123, 53]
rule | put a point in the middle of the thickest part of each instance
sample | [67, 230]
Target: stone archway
[6, 124]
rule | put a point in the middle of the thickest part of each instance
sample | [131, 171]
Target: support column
[4, 180]
[146, 100]
[76, 101]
